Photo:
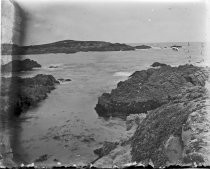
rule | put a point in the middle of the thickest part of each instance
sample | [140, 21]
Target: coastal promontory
[166, 109]
[65, 46]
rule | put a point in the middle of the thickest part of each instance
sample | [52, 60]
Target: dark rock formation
[143, 47]
[66, 46]
[176, 46]
[22, 93]
[20, 65]
[149, 89]
[156, 64]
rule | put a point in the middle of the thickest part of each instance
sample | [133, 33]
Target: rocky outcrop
[22, 93]
[66, 46]
[157, 64]
[143, 47]
[176, 46]
[20, 65]
[149, 89]
[174, 133]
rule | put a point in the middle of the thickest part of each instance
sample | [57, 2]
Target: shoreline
[134, 122]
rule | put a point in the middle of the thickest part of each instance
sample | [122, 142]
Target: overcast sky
[124, 22]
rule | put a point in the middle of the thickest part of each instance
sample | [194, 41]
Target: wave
[124, 74]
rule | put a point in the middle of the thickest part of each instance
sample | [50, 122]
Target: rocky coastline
[23, 93]
[66, 46]
[170, 119]
[17, 96]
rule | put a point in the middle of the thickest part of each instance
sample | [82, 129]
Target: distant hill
[66, 46]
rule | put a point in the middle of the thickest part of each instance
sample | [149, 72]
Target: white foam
[124, 74]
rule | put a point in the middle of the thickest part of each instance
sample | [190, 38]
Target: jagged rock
[156, 64]
[20, 65]
[149, 89]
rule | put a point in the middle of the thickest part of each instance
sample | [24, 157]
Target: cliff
[173, 133]
[66, 46]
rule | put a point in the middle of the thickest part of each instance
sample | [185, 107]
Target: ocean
[65, 126]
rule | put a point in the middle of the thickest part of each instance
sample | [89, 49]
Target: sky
[116, 21]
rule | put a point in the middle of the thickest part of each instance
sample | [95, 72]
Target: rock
[175, 133]
[20, 65]
[53, 66]
[176, 46]
[173, 149]
[149, 89]
[120, 156]
[156, 64]
[23, 93]
[66, 46]
[133, 120]
[107, 147]
[64, 80]
[143, 47]
[42, 158]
